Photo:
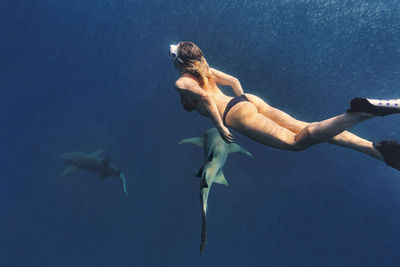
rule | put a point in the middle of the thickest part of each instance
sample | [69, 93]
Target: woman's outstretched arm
[225, 79]
[191, 89]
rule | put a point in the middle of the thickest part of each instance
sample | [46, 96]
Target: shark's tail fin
[203, 226]
[123, 183]
[209, 173]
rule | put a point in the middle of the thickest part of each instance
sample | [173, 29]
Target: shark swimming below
[216, 152]
[91, 162]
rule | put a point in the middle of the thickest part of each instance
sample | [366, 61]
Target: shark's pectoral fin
[97, 153]
[198, 141]
[70, 169]
[233, 148]
[220, 178]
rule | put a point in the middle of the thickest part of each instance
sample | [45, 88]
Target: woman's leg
[245, 118]
[329, 128]
[281, 118]
[344, 139]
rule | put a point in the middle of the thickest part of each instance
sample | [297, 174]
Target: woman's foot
[390, 150]
[375, 106]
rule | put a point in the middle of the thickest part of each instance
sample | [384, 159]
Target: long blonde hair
[195, 64]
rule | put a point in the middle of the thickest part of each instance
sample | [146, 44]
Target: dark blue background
[88, 75]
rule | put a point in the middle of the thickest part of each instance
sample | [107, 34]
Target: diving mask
[173, 52]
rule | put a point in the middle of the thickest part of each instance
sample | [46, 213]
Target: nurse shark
[91, 162]
[216, 151]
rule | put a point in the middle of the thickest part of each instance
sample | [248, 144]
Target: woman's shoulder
[185, 81]
[190, 76]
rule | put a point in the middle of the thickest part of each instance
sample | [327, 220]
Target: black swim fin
[390, 150]
[375, 106]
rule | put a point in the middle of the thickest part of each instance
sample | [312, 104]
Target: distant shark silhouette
[216, 152]
[91, 162]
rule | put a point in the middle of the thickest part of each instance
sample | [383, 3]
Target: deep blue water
[89, 75]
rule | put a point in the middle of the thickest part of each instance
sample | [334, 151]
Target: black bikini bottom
[231, 103]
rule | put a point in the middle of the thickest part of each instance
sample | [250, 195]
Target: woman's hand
[225, 134]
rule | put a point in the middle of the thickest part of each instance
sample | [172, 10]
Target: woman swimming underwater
[251, 116]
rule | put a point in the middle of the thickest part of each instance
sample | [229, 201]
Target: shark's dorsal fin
[220, 178]
[97, 153]
[69, 169]
[198, 141]
[233, 148]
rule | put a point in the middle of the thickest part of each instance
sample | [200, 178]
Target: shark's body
[216, 152]
[91, 162]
